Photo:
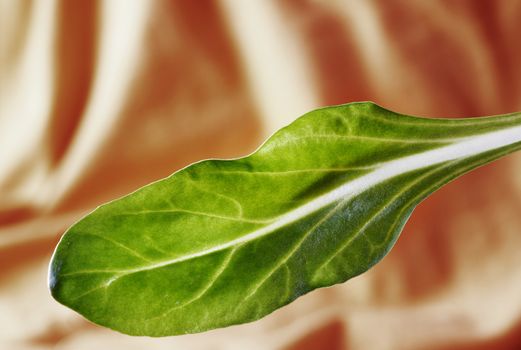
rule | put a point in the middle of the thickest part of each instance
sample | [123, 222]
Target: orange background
[98, 98]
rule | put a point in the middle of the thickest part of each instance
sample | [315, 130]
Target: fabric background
[98, 98]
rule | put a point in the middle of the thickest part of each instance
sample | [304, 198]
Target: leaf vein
[192, 212]
[121, 245]
[292, 251]
[215, 277]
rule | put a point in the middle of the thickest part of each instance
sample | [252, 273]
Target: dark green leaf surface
[223, 242]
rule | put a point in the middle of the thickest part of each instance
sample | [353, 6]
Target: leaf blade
[228, 241]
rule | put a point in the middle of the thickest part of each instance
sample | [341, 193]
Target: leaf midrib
[468, 147]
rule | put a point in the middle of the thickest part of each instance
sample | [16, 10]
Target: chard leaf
[224, 242]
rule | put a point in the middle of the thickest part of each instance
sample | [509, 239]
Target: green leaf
[223, 242]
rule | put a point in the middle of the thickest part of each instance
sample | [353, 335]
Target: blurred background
[98, 98]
